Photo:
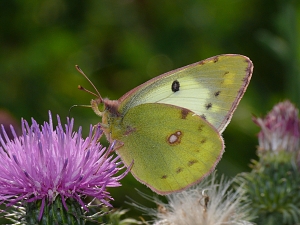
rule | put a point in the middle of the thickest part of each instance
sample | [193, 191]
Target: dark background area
[121, 44]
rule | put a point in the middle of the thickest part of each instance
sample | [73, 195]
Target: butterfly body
[170, 127]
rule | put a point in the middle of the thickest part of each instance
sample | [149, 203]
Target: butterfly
[170, 127]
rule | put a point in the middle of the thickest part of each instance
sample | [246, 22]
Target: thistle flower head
[208, 203]
[279, 129]
[273, 183]
[45, 163]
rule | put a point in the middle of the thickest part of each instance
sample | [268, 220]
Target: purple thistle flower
[279, 129]
[44, 163]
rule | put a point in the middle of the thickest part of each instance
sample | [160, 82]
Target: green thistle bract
[273, 185]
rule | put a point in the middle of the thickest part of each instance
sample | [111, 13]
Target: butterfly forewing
[211, 88]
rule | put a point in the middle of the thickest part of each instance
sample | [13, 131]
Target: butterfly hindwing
[171, 147]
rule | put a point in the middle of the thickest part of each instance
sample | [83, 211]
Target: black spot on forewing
[217, 93]
[175, 86]
[216, 59]
[203, 116]
[208, 106]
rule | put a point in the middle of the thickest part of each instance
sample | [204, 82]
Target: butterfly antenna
[82, 88]
[87, 106]
[86, 90]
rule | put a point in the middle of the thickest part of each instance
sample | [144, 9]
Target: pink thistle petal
[280, 129]
[47, 161]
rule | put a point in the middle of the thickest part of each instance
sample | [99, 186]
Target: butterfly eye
[175, 86]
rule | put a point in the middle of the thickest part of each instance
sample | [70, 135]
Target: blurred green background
[121, 43]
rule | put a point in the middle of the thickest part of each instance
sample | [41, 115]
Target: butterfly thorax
[112, 106]
[112, 120]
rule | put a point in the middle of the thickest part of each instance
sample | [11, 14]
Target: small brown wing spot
[175, 138]
[203, 141]
[241, 91]
[200, 128]
[179, 170]
[227, 117]
[227, 72]
[129, 130]
[245, 80]
[175, 86]
[203, 116]
[184, 113]
[164, 176]
[217, 93]
[208, 106]
[248, 69]
[216, 59]
[192, 162]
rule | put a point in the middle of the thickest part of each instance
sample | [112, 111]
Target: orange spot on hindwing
[175, 138]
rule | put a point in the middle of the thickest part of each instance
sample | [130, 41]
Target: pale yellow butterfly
[170, 127]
